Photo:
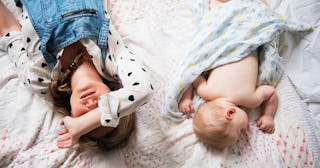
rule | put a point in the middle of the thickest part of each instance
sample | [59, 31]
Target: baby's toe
[259, 123]
[271, 130]
[267, 129]
[262, 127]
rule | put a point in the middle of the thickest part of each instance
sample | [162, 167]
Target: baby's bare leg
[185, 104]
[269, 108]
[8, 21]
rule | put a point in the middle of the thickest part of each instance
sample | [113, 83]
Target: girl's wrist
[89, 121]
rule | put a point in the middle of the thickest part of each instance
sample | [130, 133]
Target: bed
[160, 31]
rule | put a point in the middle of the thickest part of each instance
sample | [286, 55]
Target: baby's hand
[69, 135]
[186, 106]
[266, 124]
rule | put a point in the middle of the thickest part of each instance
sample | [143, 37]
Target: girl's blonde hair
[211, 132]
[61, 91]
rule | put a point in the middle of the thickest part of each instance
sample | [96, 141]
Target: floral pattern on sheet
[255, 149]
[11, 148]
[35, 152]
[133, 11]
[294, 148]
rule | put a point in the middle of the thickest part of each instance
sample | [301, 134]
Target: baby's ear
[229, 113]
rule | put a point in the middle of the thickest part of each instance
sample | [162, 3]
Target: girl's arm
[74, 128]
[22, 47]
[134, 77]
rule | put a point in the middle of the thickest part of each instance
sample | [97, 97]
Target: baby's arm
[76, 127]
[185, 104]
[201, 87]
[269, 108]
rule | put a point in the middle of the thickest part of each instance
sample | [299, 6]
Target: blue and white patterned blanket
[227, 34]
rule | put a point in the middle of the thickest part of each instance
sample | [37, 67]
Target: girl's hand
[78, 126]
[69, 135]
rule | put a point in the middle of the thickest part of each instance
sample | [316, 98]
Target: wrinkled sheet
[160, 31]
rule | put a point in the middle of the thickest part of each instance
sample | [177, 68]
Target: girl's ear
[229, 113]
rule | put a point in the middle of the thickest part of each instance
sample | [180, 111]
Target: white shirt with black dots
[121, 65]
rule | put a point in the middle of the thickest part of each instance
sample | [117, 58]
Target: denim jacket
[60, 23]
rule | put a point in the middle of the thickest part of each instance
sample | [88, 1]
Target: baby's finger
[272, 130]
[188, 109]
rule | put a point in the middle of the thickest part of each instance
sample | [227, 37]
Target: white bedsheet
[303, 53]
[159, 30]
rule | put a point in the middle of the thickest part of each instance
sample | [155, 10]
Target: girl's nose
[91, 104]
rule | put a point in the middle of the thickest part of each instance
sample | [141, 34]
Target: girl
[71, 47]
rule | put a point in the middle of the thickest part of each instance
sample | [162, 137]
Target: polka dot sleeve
[23, 51]
[134, 77]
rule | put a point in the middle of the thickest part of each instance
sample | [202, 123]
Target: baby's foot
[186, 106]
[266, 124]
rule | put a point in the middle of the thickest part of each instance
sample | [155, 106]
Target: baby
[227, 90]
